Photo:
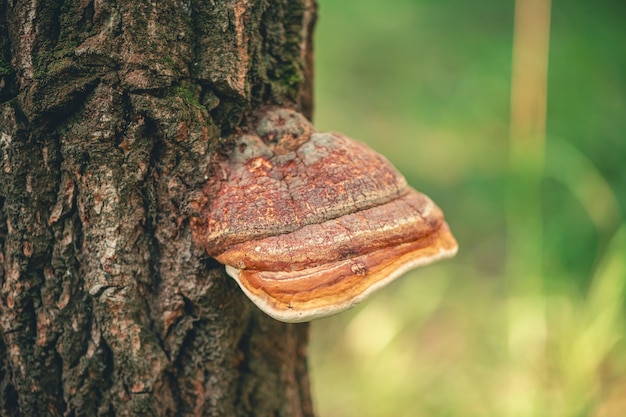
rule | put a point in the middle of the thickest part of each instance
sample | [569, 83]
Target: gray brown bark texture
[110, 115]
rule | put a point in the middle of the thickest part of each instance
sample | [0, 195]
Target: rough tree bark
[110, 114]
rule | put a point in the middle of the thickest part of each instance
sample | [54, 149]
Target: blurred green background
[528, 319]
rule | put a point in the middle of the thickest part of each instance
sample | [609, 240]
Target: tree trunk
[110, 116]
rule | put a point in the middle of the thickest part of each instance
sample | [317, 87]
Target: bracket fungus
[310, 223]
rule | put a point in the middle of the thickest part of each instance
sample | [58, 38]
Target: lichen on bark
[110, 117]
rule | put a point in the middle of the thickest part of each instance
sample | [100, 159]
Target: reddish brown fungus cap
[309, 223]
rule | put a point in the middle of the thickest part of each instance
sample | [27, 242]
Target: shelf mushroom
[310, 223]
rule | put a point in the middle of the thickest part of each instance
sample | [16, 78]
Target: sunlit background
[528, 319]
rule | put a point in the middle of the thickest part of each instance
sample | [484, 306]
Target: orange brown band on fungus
[309, 224]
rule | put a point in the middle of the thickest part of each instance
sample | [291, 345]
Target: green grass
[528, 319]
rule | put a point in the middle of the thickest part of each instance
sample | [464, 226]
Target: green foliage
[528, 319]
